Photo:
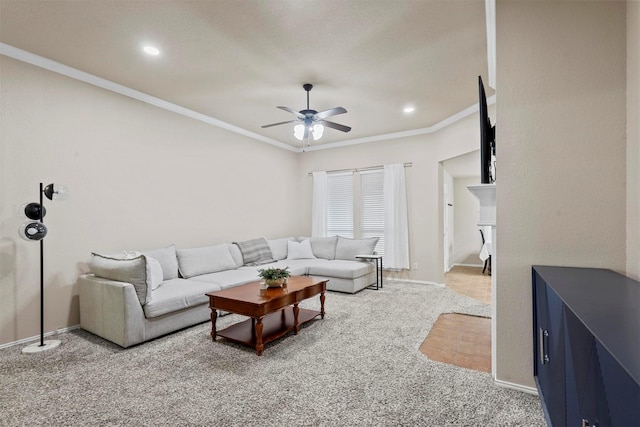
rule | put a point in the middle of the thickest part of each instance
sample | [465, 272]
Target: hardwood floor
[469, 281]
[460, 339]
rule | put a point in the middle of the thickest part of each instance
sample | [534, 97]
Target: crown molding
[407, 133]
[74, 73]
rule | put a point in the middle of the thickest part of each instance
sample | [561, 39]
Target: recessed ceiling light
[152, 50]
[408, 110]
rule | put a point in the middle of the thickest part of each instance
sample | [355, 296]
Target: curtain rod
[368, 168]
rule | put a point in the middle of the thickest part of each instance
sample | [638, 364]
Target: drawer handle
[544, 340]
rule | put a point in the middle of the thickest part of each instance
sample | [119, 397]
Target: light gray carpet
[359, 366]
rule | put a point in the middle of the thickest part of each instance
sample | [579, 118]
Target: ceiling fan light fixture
[298, 132]
[317, 131]
[311, 121]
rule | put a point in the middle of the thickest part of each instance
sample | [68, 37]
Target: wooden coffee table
[273, 311]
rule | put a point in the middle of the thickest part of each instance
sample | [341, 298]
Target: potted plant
[274, 277]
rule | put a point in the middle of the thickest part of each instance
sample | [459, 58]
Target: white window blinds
[372, 207]
[340, 204]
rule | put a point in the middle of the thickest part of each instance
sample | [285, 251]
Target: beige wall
[467, 241]
[140, 177]
[424, 185]
[633, 139]
[561, 197]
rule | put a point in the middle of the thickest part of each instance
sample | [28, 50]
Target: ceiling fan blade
[279, 123]
[297, 113]
[328, 113]
[336, 126]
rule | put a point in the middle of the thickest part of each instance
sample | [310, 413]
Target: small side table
[378, 261]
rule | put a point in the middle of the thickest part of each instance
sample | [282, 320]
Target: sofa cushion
[299, 250]
[279, 247]
[208, 259]
[167, 259]
[122, 269]
[255, 251]
[178, 294]
[228, 278]
[324, 247]
[341, 268]
[297, 267]
[349, 248]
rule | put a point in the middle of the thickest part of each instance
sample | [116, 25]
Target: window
[370, 203]
[340, 205]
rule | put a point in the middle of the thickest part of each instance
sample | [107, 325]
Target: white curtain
[396, 227]
[319, 206]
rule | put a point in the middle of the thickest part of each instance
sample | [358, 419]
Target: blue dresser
[586, 346]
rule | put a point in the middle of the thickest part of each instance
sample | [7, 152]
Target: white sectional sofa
[133, 297]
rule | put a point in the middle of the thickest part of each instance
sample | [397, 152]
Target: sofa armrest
[111, 310]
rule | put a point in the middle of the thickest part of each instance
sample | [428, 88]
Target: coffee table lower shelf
[275, 325]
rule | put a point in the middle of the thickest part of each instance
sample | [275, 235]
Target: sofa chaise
[133, 297]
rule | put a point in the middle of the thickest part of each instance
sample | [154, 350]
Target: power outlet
[415, 265]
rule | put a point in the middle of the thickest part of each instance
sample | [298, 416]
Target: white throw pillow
[234, 250]
[210, 259]
[168, 260]
[279, 248]
[299, 250]
[154, 273]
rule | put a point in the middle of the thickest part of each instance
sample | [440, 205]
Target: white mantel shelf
[486, 194]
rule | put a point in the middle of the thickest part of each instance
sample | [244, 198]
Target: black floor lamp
[34, 231]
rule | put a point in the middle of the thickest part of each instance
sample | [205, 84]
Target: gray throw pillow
[349, 248]
[255, 251]
[132, 271]
[324, 247]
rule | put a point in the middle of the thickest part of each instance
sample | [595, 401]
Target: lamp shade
[56, 192]
[32, 231]
[298, 132]
[318, 130]
[32, 210]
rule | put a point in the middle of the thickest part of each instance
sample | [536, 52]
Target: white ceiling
[236, 60]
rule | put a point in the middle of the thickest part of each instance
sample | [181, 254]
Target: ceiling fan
[312, 121]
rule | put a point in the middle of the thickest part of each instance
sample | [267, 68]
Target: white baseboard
[421, 282]
[37, 337]
[522, 388]
[468, 265]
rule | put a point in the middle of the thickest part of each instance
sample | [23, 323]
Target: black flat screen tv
[487, 138]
